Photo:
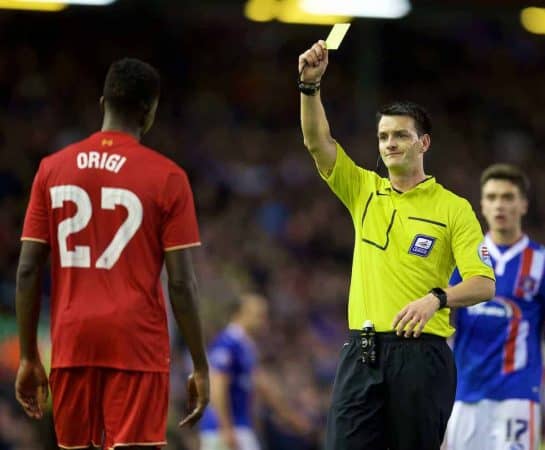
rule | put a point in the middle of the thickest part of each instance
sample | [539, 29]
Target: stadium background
[229, 116]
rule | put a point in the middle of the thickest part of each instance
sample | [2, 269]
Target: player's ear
[148, 115]
[145, 107]
[524, 206]
[144, 116]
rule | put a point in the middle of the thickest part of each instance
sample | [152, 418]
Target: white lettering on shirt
[100, 160]
[93, 160]
[489, 310]
[82, 160]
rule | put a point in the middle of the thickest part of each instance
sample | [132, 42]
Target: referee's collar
[423, 185]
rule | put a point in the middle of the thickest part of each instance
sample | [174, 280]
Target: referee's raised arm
[410, 232]
[316, 133]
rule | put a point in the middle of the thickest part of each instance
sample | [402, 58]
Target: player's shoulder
[234, 334]
[158, 158]
[224, 339]
[536, 246]
[60, 156]
[162, 166]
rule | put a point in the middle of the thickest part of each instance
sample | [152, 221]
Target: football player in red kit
[110, 212]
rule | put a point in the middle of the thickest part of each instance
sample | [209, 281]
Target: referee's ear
[425, 139]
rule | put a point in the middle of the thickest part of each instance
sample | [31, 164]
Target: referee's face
[503, 205]
[399, 145]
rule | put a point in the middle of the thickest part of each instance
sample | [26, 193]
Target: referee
[396, 379]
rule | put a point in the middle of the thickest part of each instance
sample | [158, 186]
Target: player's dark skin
[31, 387]
[31, 384]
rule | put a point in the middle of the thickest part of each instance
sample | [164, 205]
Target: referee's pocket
[349, 357]
[377, 221]
[344, 350]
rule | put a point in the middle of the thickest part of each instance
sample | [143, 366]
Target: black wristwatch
[441, 295]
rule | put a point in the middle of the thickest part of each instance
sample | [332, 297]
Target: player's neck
[406, 181]
[110, 124]
[506, 237]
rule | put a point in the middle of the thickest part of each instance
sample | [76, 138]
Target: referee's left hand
[410, 321]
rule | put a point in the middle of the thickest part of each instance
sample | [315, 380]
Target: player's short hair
[236, 304]
[233, 306]
[507, 172]
[131, 86]
[422, 120]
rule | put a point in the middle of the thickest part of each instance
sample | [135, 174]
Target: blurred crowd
[229, 115]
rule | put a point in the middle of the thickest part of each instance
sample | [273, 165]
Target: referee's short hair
[422, 120]
[507, 172]
[131, 86]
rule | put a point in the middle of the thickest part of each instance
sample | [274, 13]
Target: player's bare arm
[182, 288]
[272, 394]
[410, 321]
[221, 401]
[31, 386]
[316, 132]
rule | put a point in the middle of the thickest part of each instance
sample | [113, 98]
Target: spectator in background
[236, 378]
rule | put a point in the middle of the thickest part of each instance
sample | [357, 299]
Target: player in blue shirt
[234, 379]
[497, 345]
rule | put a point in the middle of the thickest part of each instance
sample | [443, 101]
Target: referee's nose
[391, 144]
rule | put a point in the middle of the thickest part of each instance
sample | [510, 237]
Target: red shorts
[108, 408]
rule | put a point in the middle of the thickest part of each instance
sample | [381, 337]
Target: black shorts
[402, 403]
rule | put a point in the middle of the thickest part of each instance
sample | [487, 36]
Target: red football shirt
[109, 208]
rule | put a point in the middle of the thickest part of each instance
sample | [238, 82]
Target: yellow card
[336, 35]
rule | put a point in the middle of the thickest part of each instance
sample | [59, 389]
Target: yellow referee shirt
[405, 244]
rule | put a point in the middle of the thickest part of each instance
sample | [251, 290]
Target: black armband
[308, 88]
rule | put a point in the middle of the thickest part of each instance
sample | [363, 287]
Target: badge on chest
[422, 245]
